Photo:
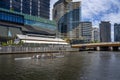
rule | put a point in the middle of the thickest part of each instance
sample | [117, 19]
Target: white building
[95, 34]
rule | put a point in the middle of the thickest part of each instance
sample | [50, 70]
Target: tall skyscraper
[67, 15]
[117, 32]
[31, 7]
[86, 31]
[105, 31]
[95, 34]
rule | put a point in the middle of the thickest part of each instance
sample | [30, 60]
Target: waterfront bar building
[27, 21]
[12, 23]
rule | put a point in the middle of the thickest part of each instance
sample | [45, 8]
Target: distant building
[95, 34]
[67, 14]
[117, 32]
[105, 31]
[85, 31]
[39, 8]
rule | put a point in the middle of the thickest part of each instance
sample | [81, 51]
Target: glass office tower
[67, 14]
[117, 32]
[105, 31]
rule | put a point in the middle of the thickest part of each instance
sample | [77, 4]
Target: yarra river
[73, 66]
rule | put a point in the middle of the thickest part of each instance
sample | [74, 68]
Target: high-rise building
[105, 31]
[31, 7]
[117, 32]
[85, 31]
[95, 34]
[67, 15]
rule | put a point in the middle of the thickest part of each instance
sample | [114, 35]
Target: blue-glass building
[32, 7]
[67, 14]
[12, 23]
[117, 32]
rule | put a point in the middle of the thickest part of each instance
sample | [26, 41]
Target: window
[11, 17]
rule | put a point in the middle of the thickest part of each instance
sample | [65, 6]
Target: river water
[73, 66]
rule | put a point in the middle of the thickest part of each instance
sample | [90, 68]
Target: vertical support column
[10, 4]
[111, 48]
[21, 4]
[38, 7]
[98, 48]
[30, 7]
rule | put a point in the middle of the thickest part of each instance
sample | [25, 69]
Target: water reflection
[73, 66]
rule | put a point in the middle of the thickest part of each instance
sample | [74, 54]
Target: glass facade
[26, 6]
[4, 16]
[29, 17]
[34, 7]
[31, 7]
[105, 31]
[44, 8]
[7, 31]
[117, 32]
[16, 5]
[5, 4]
[40, 24]
[68, 17]
[34, 21]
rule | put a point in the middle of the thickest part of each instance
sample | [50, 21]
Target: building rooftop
[40, 40]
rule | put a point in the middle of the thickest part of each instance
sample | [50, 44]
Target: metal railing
[21, 49]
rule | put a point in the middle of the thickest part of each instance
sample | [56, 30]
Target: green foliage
[4, 44]
[11, 43]
[96, 41]
[67, 40]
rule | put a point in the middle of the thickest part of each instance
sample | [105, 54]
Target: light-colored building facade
[95, 34]
[67, 15]
[117, 32]
[85, 31]
[105, 31]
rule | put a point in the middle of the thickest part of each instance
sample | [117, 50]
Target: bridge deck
[109, 44]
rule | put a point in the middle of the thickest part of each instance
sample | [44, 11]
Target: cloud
[100, 10]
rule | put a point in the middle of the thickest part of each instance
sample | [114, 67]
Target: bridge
[98, 46]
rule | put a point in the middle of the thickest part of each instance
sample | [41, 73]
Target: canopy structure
[40, 40]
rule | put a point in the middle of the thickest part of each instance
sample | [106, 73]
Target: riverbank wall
[21, 49]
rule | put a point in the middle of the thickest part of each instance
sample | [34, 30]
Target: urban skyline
[104, 10]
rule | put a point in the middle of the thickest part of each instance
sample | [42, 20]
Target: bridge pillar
[83, 48]
[115, 48]
[111, 48]
[98, 48]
